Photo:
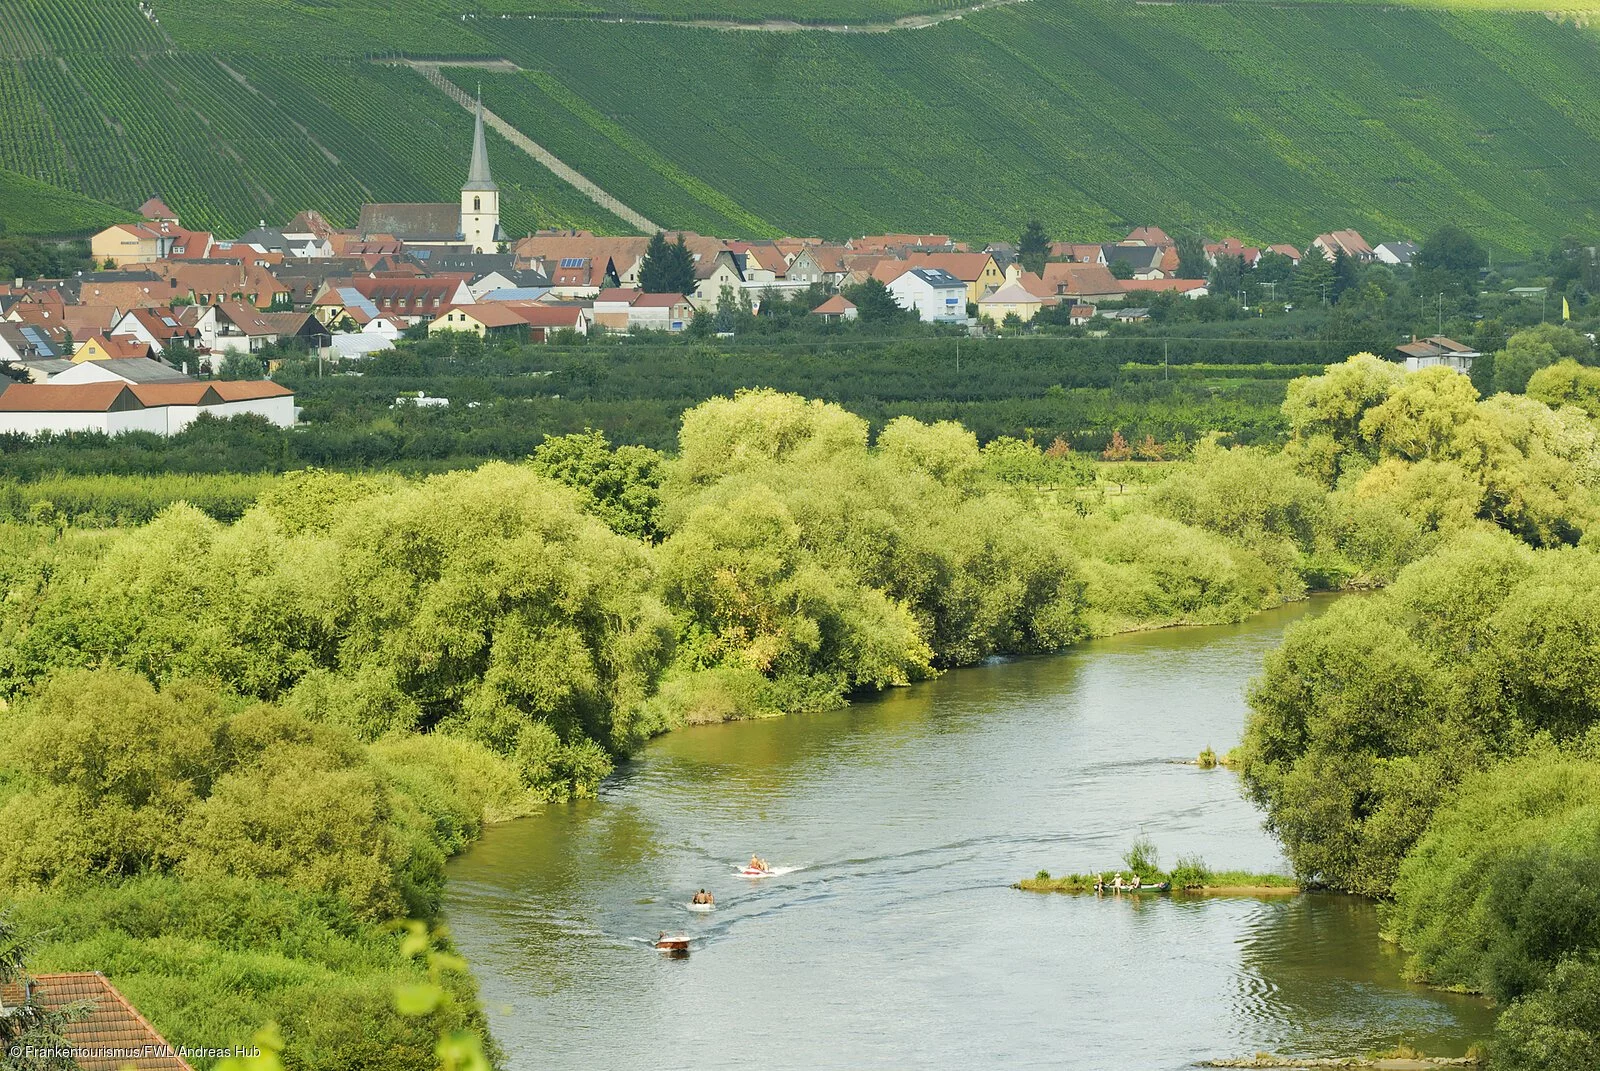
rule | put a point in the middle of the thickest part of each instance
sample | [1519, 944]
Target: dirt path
[563, 171]
[909, 22]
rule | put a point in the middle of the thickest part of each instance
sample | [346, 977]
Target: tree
[1121, 269]
[30, 1035]
[1526, 352]
[668, 268]
[1346, 275]
[1313, 280]
[1117, 449]
[1191, 257]
[1033, 249]
[240, 366]
[874, 304]
[1556, 1028]
[1227, 276]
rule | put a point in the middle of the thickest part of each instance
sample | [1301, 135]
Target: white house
[120, 370]
[181, 403]
[1437, 350]
[1395, 253]
[933, 294]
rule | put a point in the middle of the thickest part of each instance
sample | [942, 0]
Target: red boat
[676, 945]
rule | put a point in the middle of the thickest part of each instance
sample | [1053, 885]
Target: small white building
[933, 294]
[108, 408]
[261, 397]
[1396, 254]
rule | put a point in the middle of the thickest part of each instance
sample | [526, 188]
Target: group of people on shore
[1117, 884]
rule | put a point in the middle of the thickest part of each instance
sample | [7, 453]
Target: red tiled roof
[837, 305]
[113, 1036]
[489, 314]
[65, 397]
[657, 301]
[247, 390]
[154, 394]
[548, 315]
[1182, 286]
[121, 346]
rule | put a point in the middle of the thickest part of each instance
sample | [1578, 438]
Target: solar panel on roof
[572, 262]
[169, 321]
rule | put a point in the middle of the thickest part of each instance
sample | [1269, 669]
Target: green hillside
[1267, 121]
[29, 208]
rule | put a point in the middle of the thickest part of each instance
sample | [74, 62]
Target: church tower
[480, 197]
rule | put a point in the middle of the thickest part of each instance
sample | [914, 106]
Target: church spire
[478, 177]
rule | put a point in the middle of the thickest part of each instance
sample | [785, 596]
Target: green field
[32, 208]
[1267, 121]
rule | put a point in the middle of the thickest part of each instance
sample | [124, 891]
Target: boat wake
[770, 872]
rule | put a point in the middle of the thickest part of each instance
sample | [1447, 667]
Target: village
[144, 341]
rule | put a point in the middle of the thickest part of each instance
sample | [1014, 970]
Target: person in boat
[1136, 881]
[1116, 885]
[703, 897]
[1099, 884]
[758, 863]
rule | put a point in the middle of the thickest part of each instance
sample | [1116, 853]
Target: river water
[897, 942]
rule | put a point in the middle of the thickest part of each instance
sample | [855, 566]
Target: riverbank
[1226, 883]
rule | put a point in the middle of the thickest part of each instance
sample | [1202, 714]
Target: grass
[1217, 116]
[29, 208]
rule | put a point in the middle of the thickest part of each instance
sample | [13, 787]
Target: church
[472, 225]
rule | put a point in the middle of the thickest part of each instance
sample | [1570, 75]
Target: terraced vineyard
[1271, 122]
[29, 208]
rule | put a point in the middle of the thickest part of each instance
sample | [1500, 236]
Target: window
[477, 203]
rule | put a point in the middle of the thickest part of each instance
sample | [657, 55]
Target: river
[897, 942]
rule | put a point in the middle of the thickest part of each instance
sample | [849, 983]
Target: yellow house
[1011, 299]
[125, 243]
[487, 318]
[115, 347]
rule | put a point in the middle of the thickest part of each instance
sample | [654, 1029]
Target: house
[978, 270]
[805, 268]
[1349, 243]
[115, 347]
[1079, 315]
[1284, 250]
[110, 1036]
[181, 402]
[160, 328]
[764, 263]
[1012, 299]
[1397, 254]
[122, 244]
[242, 328]
[1151, 236]
[610, 309]
[545, 320]
[1144, 261]
[711, 276]
[408, 300]
[1232, 247]
[1078, 253]
[1081, 282]
[507, 279]
[1437, 350]
[496, 319]
[1127, 316]
[837, 309]
[25, 342]
[660, 312]
[933, 294]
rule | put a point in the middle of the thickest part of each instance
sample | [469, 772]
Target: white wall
[279, 410]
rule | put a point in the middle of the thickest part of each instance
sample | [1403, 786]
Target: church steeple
[480, 197]
[478, 175]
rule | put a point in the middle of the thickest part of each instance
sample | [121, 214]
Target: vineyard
[29, 208]
[1270, 122]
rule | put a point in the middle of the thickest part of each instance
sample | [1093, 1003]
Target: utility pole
[1164, 344]
[1441, 312]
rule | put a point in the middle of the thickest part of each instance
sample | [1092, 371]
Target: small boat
[1163, 887]
[676, 944]
[755, 872]
[701, 907]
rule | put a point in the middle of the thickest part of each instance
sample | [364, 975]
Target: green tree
[1033, 248]
[1227, 276]
[1556, 1028]
[1537, 347]
[240, 366]
[1191, 257]
[623, 485]
[874, 304]
[1313, 281]
[1449, 260]
[1121, 269]
[30, 1034]
[668, 268]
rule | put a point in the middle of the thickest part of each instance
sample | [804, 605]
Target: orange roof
[547, 315]
[113, 1036]
[1149, 236]
[120, 345]
[968, 267]
[246, 390]
[1182, 286]
[153, 394]
[658, 301]
[489, 314]
[1072, 279]
[156, 208]
[837, 305]
[66, 398]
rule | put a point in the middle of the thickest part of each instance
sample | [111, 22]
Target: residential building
[837, 309]
[1145, 261]
[160, 328]
[933, 294]
[108, 1034]
[1012, 299]
[109, 408]
[1437, 350]
[130, 370]
[493, 319]
[1349, 243]
[978, 271]
[1397, 254]
[660, 312]
[115, 347]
